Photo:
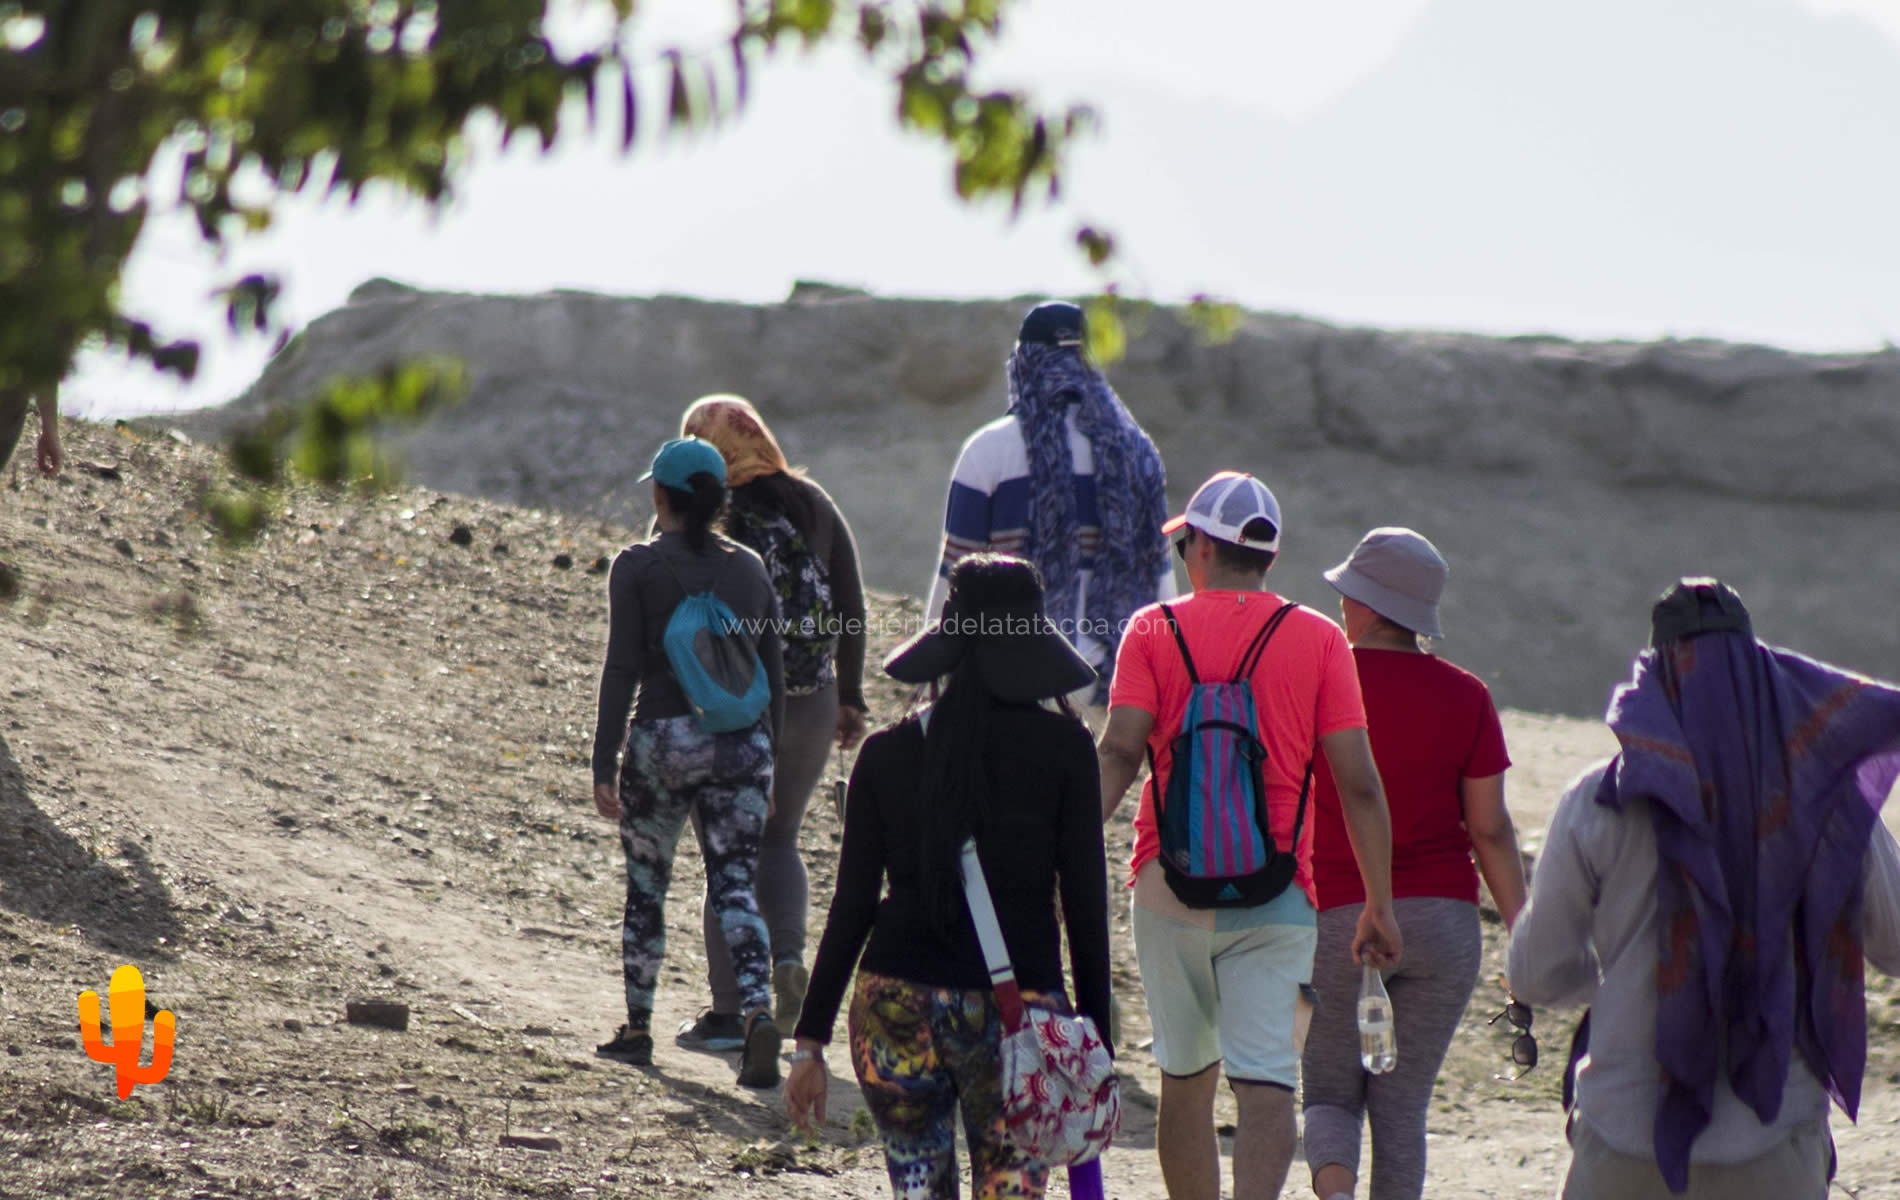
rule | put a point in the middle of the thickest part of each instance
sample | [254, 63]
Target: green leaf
[679, 100]
[1218, 321]
[1108, 338]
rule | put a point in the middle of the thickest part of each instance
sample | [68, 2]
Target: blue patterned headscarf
[1130, 490]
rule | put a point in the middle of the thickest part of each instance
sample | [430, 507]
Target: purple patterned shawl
[1765, 773]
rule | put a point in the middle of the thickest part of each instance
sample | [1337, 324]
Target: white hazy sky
[817, 183]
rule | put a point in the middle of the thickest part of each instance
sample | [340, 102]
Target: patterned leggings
[919, 1052]
[671, 767]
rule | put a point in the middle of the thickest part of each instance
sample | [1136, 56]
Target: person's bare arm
[1494, 842]
[1121, 751]
[1369, 829]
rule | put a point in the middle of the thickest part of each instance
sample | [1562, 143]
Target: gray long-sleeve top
[1588, 936]
[642, 593]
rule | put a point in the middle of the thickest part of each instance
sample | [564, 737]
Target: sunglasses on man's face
[1524, 1046]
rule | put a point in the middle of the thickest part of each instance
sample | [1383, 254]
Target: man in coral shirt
[1223, 984]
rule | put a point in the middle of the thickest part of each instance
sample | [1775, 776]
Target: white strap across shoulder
[989, 931]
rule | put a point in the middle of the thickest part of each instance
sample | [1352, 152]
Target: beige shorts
[1227, 997]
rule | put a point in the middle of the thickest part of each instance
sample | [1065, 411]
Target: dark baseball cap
[1054, 323]
[1696, 605]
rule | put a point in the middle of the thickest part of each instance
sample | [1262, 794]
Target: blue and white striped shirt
[988, 509]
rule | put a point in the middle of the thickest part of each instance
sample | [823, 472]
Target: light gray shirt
[1588, 936]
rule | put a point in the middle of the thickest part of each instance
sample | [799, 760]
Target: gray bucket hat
[1397, 574]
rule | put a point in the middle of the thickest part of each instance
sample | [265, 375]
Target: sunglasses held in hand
[1524, 1046]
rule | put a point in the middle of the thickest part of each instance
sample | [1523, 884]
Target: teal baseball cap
[680, 459]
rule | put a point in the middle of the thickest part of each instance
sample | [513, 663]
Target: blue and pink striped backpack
[1217, 848]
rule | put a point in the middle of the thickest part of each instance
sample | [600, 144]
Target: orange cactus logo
[126, 999]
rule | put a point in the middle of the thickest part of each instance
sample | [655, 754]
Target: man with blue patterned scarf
[1067, 480]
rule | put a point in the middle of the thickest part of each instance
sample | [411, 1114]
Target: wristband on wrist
[813, 1054]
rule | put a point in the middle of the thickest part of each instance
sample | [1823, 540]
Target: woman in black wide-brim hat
[1000, 756]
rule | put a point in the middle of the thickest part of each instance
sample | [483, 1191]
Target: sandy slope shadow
[727, 1110]
[1139, 1106]
[47, 874]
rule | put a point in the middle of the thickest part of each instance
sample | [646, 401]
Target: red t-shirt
[1432, 724]
[1304, 688]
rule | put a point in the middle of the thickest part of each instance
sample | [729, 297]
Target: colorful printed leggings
[920, 1052]
[672, 766]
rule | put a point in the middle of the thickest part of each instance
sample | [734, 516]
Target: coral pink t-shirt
[1432, 725]
[1304, 688]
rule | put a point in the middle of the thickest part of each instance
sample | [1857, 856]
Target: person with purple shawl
[1712, 893]
[1068, 480]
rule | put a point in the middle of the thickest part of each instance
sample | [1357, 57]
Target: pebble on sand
[388, 1014]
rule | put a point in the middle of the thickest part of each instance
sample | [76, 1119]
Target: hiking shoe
[634, 1049]
[758, 1062]
[789, 981]
[713, 1031]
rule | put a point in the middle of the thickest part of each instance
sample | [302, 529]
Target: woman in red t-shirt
[1441, 756]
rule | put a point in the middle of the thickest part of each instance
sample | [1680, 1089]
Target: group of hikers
[1322, 801]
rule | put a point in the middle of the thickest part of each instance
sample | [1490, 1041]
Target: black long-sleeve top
[1043, 844]
[642, 592]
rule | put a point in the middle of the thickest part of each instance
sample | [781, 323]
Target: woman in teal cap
[674, 764]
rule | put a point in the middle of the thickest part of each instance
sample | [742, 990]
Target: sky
[817, 182]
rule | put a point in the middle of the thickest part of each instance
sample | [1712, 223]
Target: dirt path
[352, 762]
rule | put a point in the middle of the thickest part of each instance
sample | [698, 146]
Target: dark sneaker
[789, 981]
[634, 1049]
[713, 1031]
[758, 1064]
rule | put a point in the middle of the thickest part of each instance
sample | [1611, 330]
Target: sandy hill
[1567, 483]
[351, 762]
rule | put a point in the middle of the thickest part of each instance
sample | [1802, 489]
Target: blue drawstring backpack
[716, 660]
[1217, 850]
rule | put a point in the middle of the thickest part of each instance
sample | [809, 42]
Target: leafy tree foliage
[254, 99]
[113, 109]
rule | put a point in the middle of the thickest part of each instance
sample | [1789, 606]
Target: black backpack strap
[1579, 1046]
[1299, 814]
[1194, 677]
[1257, 647]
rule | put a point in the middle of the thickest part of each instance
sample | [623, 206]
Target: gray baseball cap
[1397, 574]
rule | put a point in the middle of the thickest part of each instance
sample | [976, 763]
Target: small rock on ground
[388, 1014]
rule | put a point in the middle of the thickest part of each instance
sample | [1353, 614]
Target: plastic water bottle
[1378, 1044]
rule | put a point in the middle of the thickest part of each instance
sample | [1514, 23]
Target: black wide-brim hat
[1018, 654]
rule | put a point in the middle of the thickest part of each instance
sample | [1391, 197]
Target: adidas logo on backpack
[1217, 848]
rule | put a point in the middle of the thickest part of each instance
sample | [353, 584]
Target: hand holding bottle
[1378, 1042]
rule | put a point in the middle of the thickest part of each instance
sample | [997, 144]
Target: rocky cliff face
[1567, 483]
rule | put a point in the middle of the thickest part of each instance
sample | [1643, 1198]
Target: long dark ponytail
[784, 493]
[699, 508]
[957, 791]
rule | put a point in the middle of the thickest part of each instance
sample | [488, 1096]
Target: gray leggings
[1430, 989]
[784, 892]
